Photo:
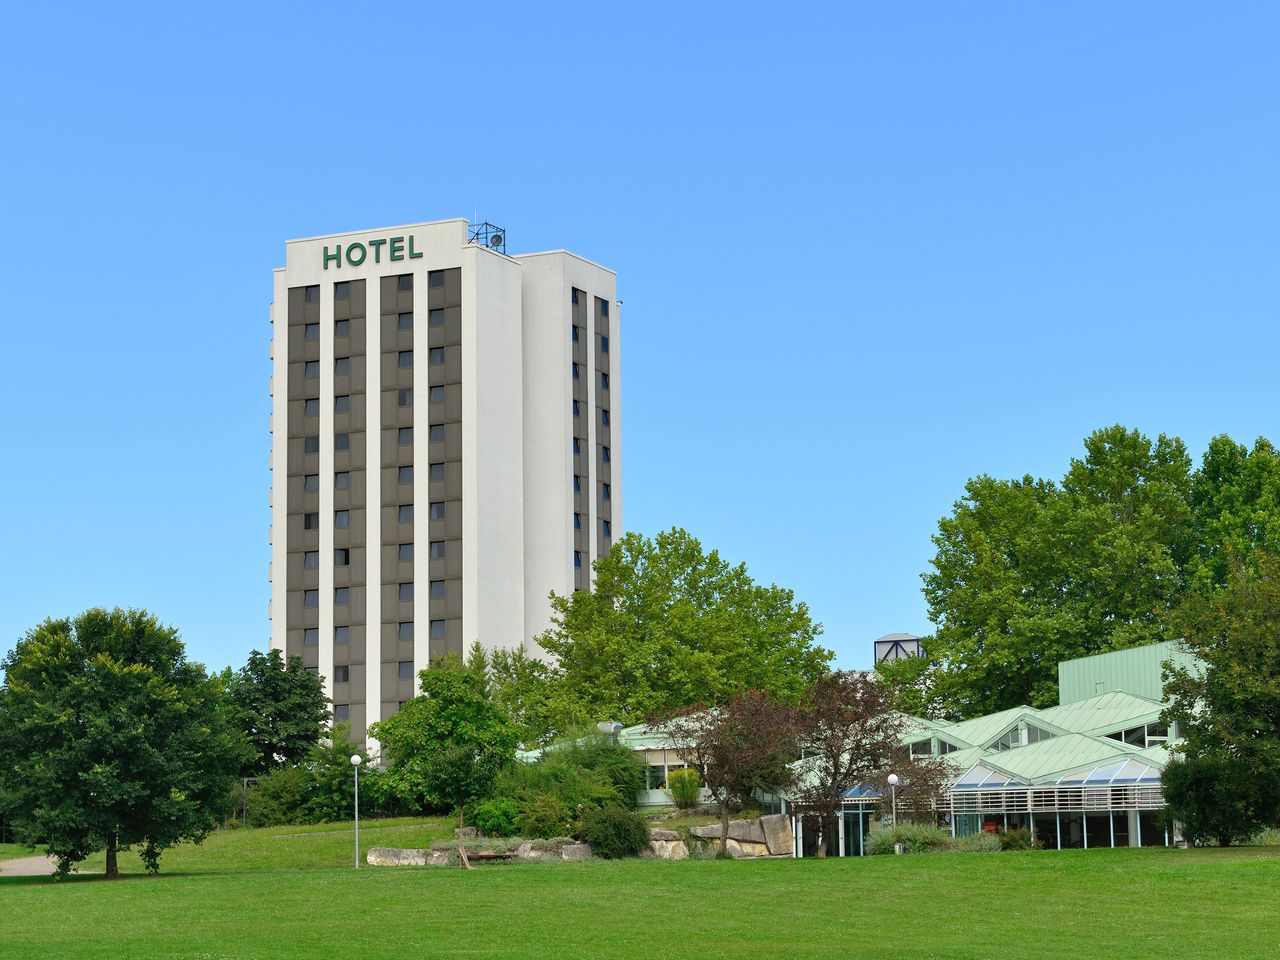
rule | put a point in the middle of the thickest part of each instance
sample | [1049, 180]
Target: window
[405, 359]
[437, 511]
[922, 748]
[437, 549]
[437, 395]
[342, 290]
[406, 475]
[311, 483]
[604, 455]
[604, 491]
[405, 321]
[342, 674]
[342, 519]
[435, 278]
[606, 528]
[577, 483]
[311, 598]
[604, 307]
[311, 331]
[406, 592]
[311, 637]
[576, 335]
[576, 408]
[342, 557]
[604, 381]
[342, 441]
[405, 282]
[341, 366]
[405, 436]
[406, 513]
[439, 629]
[404, 631]
[577, 558]
[436, 433]
[311, 370]
[342, 403]
[436, 356]
[435, 318]
[604, 344]
[342, 712]
[404, 397]
[406, 553]
[577, 521]
[342, 480]
[406, 669]
[577, 446]
[576, 373]
[437, 588]
[311, 444]
[312, 295]
[573, 295]
[435, 473]
[311, 521]
[604, 418]
[342, 328]
[311, 407]
[311, 560]
[342, 636]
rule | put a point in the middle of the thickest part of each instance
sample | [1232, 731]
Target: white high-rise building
[446, 449]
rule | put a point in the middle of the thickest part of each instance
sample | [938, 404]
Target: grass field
[290, 893]
[10, 850]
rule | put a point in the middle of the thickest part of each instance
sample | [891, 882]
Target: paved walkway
[40, 866]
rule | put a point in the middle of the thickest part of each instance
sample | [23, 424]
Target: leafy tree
[320, 789]
[669, 624]
[281, 707]
[685, 787]
[1228, 714]
[909, 681]
[1235, 501]
[445, 748]
[1029, 573]
[745, 746]
[585, 769]
[111, 738]
[850, 737]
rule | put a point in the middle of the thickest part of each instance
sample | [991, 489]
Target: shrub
[976, 843]
[1019, 838]
[614, 832]
[543, 816]
[1267, 838]
[280, 797]
[914, 837]
[497, 817]
[586, 771]
[686, 788]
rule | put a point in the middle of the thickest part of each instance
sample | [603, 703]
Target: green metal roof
[1048, 759]
[982, 730]
[1105, 713]
[1136, 671]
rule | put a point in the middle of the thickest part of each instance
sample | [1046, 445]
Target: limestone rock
[439, 858]
[464, 831]
[395, 857]
[749, 830]
[658, 834]
[749, 848]
[524, 850]
[710, 831]
[575, 851]
[669, 849]
[777, 834]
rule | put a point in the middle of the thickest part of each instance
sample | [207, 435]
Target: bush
[1218, 798]
[914, 837]
[496, 818]
[686, 788]
[1267, 838]
[614, 832]
[976, 843]
[544, 816]
[1019, 838]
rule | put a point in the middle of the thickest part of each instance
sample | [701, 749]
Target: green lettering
[351, 249]
[377, 249]
[336, 257]
[412, 255]
[396, 248]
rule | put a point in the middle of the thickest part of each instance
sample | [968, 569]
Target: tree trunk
[113, 870]
[463, 862]
[823, 833]
[724, 828]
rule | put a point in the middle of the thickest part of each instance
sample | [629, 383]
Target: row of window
[576, 335]
[604, 414]
[437, 511]
[438, 629]
[577, 488]
[404, 283]
[605, 455]
[604, 377]
[342, 365]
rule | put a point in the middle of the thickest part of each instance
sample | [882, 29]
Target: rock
[732, 848]
[748, 848]
[464, 831]
[657, 834]
[710, 831]
[395, 857]
[749, 830]
[669, 849]
[777, 834]
[524, 850]
[575, 851]
[439, 858]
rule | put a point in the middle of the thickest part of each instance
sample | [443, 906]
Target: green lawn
[265, 893]
[9, 851]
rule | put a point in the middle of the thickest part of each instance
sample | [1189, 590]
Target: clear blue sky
[867, 251]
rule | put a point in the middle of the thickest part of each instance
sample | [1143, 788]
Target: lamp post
[893, 789]
[355, 766]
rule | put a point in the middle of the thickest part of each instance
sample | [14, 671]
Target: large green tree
[1228, 713]
[669, 624]
[1235, 502]
[281, 708]
[110, 738]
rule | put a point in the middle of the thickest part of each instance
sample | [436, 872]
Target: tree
[669, 624]
[445, 748]
[281, 708]
[851, 737]
[743, 747]
[111, 738]
[1235, 501]
[909, 682]
[1228, 713]
[1029, 573]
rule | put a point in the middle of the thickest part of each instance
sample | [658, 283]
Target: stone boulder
[778, 835]
[656, 833]
[669, 849]
[395, 857]
[710, 831]
[749, 830]
[575, 851]
[439, 858]
[464, 832]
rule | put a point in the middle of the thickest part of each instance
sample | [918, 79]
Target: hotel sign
[356, 253]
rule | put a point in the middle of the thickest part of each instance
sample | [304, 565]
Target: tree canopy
[110, 738]
[669, 624]
[281, 708]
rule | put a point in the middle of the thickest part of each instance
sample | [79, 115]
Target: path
[40, 866]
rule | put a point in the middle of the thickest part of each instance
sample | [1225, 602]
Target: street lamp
[892, 786]
[355, 766]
